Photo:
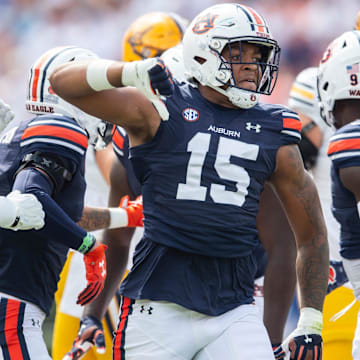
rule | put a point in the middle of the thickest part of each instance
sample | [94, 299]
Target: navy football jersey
[203, 172]
[202, 175]
[31, 261]
[120, 142]
[344, 151]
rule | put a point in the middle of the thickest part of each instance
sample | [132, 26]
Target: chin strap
[236, 99]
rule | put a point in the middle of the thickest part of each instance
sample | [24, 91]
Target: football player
[18, 211]
[148, 36]
[303, 98]
[339, 92]
[6, 115]
[44, 156]
[190, 290]
[274, 232]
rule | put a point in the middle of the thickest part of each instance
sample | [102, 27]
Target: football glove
[134, 210]
[90, 333]
[337, 275]
[305, 342]
[153, 79]
[95, 266]
[6, 115]
[25, 213]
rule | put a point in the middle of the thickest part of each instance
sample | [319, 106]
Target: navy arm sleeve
[58, 225]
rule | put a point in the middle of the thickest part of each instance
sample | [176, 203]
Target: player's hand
[304, 347]
[90, 333]
[95, 266]
[305, 342]
[337, 275]
[29, 212]
[134, 210]
[153, 79]
[6, 115]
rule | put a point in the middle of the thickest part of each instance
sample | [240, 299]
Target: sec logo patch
[190, 114]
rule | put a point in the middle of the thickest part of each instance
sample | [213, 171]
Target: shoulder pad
[56, 130]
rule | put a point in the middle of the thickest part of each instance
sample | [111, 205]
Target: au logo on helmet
[204, 24]
[326, 56]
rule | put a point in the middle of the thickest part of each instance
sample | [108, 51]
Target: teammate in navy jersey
[44, 157]
[6, 115]
[18, 211]
[339, 91]
[189, 293]
[148, 35]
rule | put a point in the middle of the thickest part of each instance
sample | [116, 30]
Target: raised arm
[298, 194]
[101, 88]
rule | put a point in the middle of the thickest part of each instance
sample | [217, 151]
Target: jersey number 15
[199, 146]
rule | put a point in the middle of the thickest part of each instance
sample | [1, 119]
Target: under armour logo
[35, 322]
[102, 265]
[250, 126]
[308, 339]
[46, 162]
[149, 309]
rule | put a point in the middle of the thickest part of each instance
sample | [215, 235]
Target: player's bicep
[298, 194]
[125, 106]
[350, 178]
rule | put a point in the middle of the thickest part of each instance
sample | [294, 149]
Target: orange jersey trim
[57, 132]
[290, 123]
[341, 145]
[118, 140]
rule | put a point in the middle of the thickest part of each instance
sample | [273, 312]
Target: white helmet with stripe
[42, 100]
[304, 96]
[211, 32]
[339, 73]
[173, 59]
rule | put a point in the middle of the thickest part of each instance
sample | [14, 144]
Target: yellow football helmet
[357, 25]
[151, 34]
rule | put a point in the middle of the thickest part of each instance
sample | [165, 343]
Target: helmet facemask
[268, 65]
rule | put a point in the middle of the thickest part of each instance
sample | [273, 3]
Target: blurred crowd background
[303, 29]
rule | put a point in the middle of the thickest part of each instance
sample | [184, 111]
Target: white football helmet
[339, 73]
[42, 100]
[304, 96]
[220, 26]
[173, 59]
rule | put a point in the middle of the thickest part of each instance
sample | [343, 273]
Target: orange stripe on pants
[119, 337]
[11, 331]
